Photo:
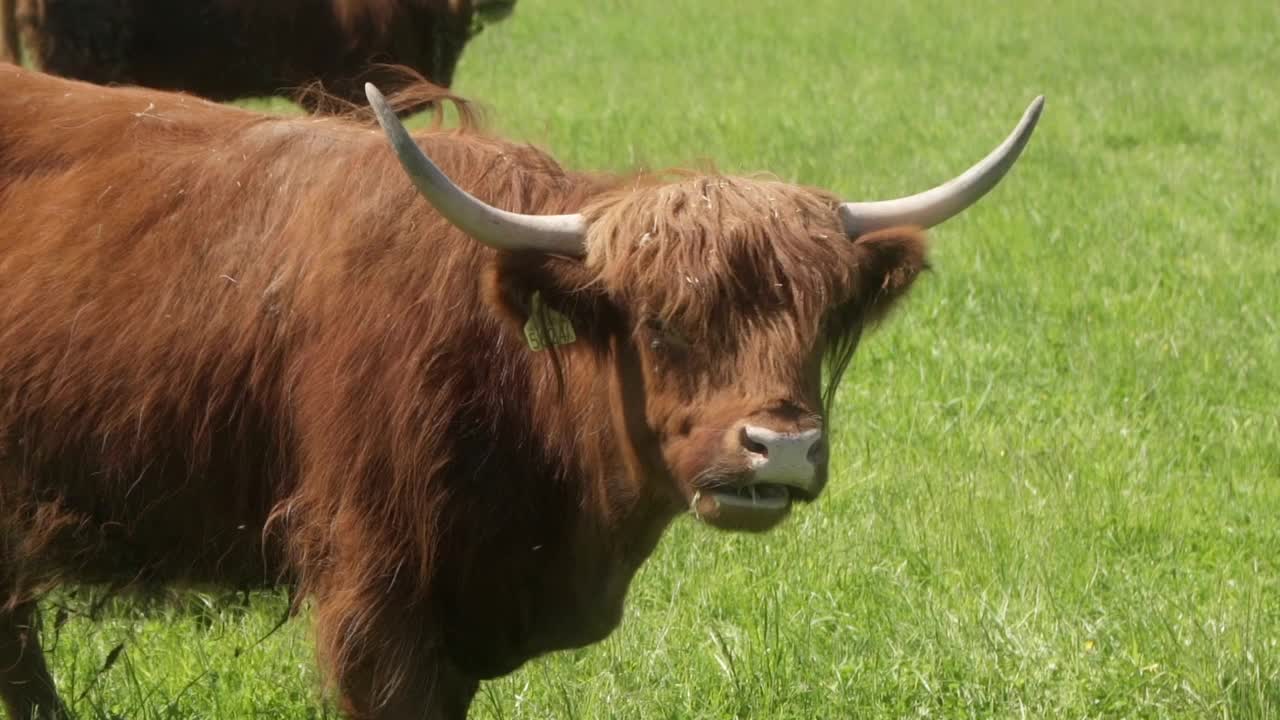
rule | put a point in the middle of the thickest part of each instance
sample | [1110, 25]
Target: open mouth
[753, 507]
[764, 497]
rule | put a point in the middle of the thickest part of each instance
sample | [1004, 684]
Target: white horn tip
[935, 206]
[1035, 108]
[376, 100]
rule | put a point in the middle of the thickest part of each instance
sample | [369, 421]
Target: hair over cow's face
[728, 295]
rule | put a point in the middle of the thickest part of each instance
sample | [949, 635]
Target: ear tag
[546, 327]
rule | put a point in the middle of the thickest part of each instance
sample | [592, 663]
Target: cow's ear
[521, 283]
[888, 262]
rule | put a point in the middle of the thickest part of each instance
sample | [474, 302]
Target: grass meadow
[1056, 470]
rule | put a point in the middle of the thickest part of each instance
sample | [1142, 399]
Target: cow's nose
[786, 458]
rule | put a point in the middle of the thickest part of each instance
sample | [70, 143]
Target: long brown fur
[228, 49]
[10, 49]
[239, 349]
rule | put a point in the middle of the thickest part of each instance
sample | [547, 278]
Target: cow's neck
[582, 510]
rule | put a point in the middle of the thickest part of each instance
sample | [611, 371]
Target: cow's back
[146, 317]
[196, 294]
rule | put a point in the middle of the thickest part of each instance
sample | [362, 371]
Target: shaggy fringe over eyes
[716, 253]
[716, 258]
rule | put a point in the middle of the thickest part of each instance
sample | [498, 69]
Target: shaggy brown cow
[228, 49]
[245, 350]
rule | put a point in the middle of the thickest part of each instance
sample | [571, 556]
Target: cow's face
[728, 296]
[735, 291]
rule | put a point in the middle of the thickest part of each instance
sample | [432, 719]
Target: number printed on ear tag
[546, 327]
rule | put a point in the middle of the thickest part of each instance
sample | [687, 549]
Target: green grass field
[1056, 471]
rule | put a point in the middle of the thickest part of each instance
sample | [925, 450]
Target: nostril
[817, 452]
[795, 450]
[751, 444]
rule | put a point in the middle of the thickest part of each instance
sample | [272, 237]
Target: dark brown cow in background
[10, 43]
[229, 49]
[245, 350]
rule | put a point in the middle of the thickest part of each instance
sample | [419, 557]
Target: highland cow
[229, 49]
[450, 395]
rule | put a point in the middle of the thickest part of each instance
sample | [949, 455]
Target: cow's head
[729, 293]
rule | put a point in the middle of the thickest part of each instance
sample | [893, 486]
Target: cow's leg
[25, 682]
[386, 670]
[443, 696]
[437, 692]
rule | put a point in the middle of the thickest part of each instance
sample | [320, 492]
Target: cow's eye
[662, 335]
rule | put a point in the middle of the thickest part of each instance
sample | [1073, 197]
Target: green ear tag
[546, 327]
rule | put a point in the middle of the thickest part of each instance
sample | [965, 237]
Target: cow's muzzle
[780, 466]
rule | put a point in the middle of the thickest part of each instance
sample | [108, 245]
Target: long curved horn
[499, 229]
[935, 206]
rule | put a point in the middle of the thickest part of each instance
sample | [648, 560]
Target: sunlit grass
[1056, 485]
